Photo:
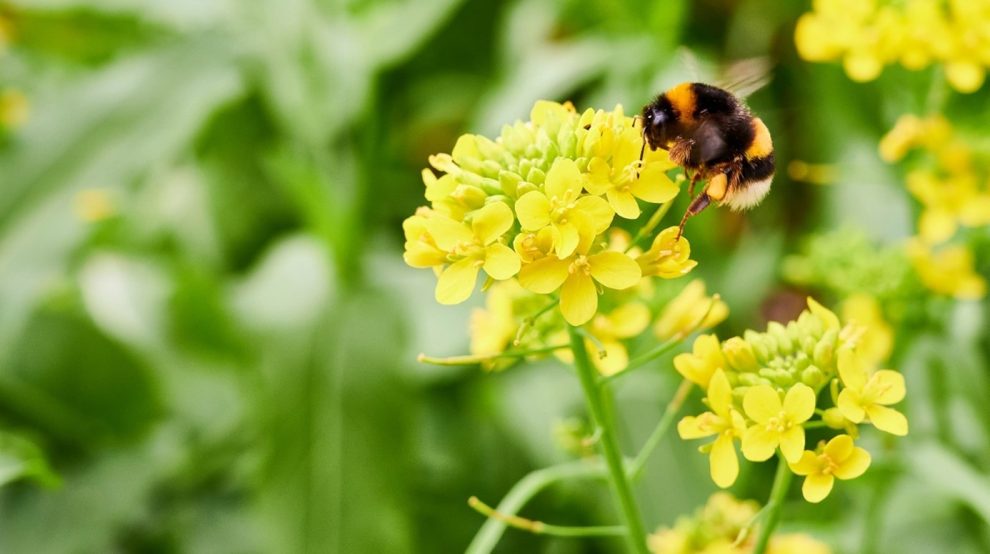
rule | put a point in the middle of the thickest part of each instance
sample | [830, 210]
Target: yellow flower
[667, 258]
[622, 180]
[532, 246]
[776, 424]
[576, 276]
[684, 313]
[867, 396]
[625, 322]
[610, 355]
[796, 543]
[92, 205]
[560, 206]
[950, 271]
[704, 360]
[493, 328]
[467, 249]
[15, 110]
[723, 420]
[878, 340]
[839, 458]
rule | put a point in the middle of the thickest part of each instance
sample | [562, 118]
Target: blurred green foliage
[207, 332]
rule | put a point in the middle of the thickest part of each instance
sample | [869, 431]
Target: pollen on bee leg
[717, 186]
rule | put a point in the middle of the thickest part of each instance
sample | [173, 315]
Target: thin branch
[477, 359]
[669, 413]
[541, 528]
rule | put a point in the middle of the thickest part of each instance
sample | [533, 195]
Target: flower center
[559, 208]
[827, 464]
[778, 423]
[580, 265]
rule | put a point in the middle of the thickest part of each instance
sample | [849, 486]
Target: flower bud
[740, 354]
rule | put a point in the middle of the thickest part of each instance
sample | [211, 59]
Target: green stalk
[666, 420]
[781, 482]
[635, 532]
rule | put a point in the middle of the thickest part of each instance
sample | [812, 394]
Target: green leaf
[22, 459]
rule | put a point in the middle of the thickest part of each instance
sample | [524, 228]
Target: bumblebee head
[659, 118]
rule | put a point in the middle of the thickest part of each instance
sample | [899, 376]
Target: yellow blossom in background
[878, 339]
[775, 423]
[767, 388]
[724, 421]
[867, 35]
[867, 396]
[950, 270]
[668, 256]
[839, 458]
[715, 528]
[494, 327]
[94, 204]
[15, 109]
[690, 310]
[608, 353]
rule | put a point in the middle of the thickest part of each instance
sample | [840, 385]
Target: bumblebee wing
[709, 143]
[746, 76]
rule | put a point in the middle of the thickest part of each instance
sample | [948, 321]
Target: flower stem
[635, 533]
[781, 482]
[521, 493]
[541, 528]
[669, 413]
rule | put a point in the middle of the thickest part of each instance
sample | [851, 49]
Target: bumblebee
[710, 132]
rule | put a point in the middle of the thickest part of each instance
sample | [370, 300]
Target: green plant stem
[651, 224]
[524, 490]
[781, 482]
[669, 413]
[647, 357]
[542, 528]
[636, 534]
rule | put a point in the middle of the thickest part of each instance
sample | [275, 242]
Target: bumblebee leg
[696, 207]
[694, 179]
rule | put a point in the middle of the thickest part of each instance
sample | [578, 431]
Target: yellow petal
[629, 320]
[759, 443]
[501, 262]
[688, 429]
[563, 180]
[849, 406]
[578, 299]
[792, 443]
[799, 403]
[623, 202]
[761, 403]
[616, 357]
[491, 221]
[851, 370]
[599, 172]
[724, 465]
[830, 319]
[533, 210]
[891, 386]
[545, 275]
[855, 465]
[654, 186]
[720, 394]
[566, 239]
[806, 464]
[421, 254]
[457, 282]
[448, 233]
[839, 448]
[615, 270]
[598, 212]
[888, 419]
[816, 487]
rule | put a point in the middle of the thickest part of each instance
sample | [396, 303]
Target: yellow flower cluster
[954, 191]
[535, 205]
[765, 389]
[714, 529]
[869, 34]
[507, 320]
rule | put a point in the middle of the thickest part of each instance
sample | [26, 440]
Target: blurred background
[208, 335]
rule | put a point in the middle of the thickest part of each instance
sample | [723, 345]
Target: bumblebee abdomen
[761, 144]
